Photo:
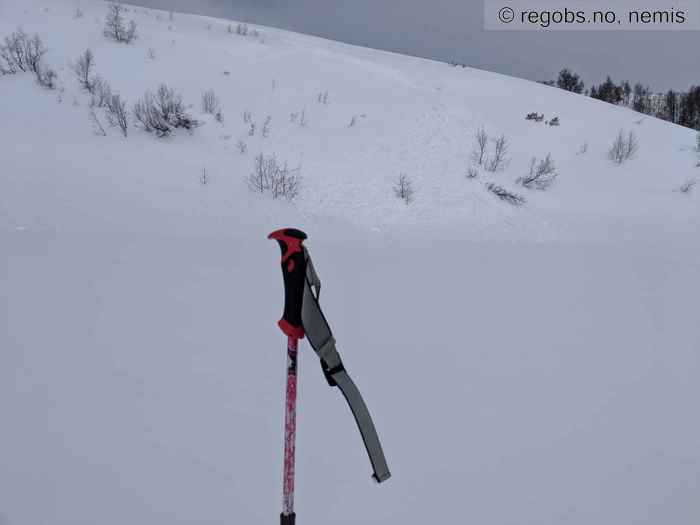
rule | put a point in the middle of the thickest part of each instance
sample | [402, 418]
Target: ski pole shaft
[290, 423]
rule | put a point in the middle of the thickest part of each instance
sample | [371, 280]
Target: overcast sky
[452, 30]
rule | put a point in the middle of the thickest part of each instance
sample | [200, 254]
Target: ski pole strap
[365, 424]
[320, 337]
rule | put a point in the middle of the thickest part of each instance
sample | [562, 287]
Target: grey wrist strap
[320, 337]
[365, 424]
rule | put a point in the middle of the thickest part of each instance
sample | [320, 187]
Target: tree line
[679, 107]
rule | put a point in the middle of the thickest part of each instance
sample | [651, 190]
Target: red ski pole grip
[293, 273]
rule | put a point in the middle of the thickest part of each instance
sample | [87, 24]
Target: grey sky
[452, 30]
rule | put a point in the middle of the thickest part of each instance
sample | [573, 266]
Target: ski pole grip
[293, 272]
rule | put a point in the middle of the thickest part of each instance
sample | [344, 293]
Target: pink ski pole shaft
[290, 425]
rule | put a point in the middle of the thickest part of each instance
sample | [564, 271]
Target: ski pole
[293, 273]
[303, 318]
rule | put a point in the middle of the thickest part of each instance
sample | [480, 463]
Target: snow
[523, 365]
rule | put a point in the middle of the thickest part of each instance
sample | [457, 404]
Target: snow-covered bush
[83, 69]
[623, 148]
[45, 76]
[265, 132]
[541, 175]
[498, 160]
[403, 189]
[96, 124]
[537, 117]
[78, 13]
[278, 180]
[100, 93]
[241, 147]
[554, 121]
[505, 195]
[20, 53]
[163, 112]
[117, 114]
[323, 97]
[472, 172]
[299, 118]
[210, 102]
[116, 27]
[481, 141]
[687, 186]
[480, 155]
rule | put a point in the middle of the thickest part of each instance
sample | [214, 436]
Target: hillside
[524, 364]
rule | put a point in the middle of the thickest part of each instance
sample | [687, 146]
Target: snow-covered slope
[534, 364]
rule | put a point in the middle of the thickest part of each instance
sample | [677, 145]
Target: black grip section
[294, 273]
[288, 519]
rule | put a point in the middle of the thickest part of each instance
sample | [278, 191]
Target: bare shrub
[117, 114]
[266, 127]
[83, 69]
[210, 102]
[697, 146]
[101, 92]
[78, 13]
[45, 76]
[497, 161]
[403, 189]
[323, 97]
[242, 29]
[537, 117]
[472, 172]
[506, 195]
[542, 174]
[247, 117]
[151, 53]
[687, 186]
[20, 53]
[269, 176]
[251, 129]
[219, 117]
[353, 122]
[96, 124]
[481, 141]
[241, 147]
[554, 121]
[299, 118]
[623, 148]
[116, 27]
[163, 112]
[584, 148]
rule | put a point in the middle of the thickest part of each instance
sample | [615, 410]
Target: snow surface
[530, 365]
